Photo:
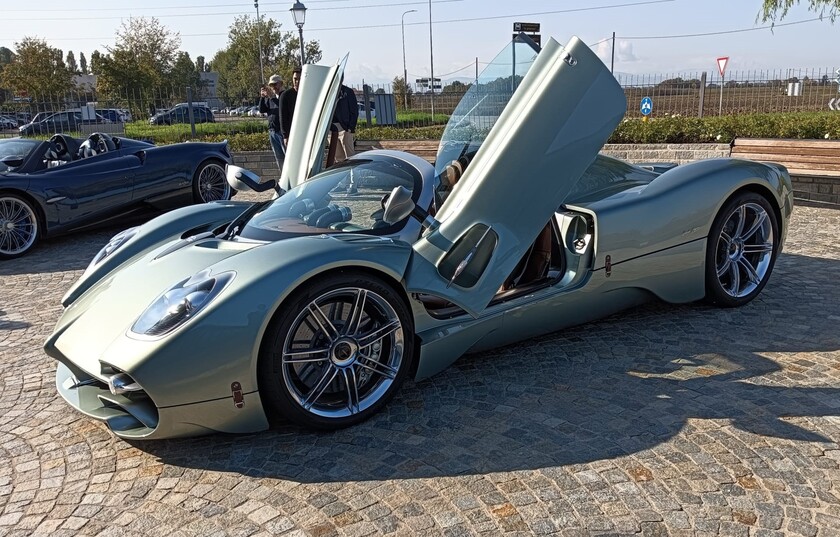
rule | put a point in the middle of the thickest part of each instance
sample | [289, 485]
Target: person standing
[344, 121]
[270, 104]
[287, 106]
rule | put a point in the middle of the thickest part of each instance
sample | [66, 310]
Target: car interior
[64, 149]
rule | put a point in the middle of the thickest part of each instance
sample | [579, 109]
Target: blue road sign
[646, 106]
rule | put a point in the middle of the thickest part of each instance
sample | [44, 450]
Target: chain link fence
[129, 113]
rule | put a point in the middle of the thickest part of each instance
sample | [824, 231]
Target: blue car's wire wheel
[339, 353]
[18, 226]
[210, 183]
[742, 250]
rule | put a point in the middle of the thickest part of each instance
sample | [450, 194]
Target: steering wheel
[58, 151]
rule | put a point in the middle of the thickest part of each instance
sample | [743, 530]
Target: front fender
[193, 219]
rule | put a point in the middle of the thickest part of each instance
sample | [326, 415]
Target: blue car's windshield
[483, 103]
[15, 147]
[345, 198]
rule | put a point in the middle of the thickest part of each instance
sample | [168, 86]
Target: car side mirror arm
[242, 179]
[400, 205]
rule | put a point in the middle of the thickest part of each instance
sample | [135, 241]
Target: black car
[181, 114]
[57, 186]
[67, 121]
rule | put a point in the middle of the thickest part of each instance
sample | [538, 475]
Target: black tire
[209, 182]
[19, 226]
[741, 251]
[347, 352]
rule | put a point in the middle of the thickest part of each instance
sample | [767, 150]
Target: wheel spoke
[756, 225]
[377, 367]
[378, 334]
[752, 275]
[735, 277]
[723, 268]
[306, 356]
[356, 313]
[764, 248]
[352, 390]
[318, 390]
[323, 321]
[742, 215]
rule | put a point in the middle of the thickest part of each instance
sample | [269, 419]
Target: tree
[774, 10]
[402, 92]
[184, 73]
[141, 60]
[456, 87]
[96, 63]
[37, 69]
[71, 62]
[199, 64]
[238, 64]
[83, 63]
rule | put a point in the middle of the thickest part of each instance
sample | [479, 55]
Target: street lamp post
[259, 40]
[432, 59]
[299, 15]
[405, 71]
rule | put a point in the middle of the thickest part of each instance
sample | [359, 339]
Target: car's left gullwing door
[314, 108]
[548, 134]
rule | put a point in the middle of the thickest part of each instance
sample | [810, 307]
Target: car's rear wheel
[18, 226]
[742, 249]
[210, 183]
[339, 350]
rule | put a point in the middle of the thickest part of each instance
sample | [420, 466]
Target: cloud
[623, 51]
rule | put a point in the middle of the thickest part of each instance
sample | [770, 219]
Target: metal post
[259, 42]
[432, 58]
[720, 108]
[405, 71]
[190, 109]
[302, 58]
[612, 60]
[702, 94]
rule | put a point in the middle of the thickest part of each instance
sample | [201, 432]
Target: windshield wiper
[234, 228]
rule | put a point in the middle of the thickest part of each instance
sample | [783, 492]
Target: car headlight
[113, 245]
[180, 303]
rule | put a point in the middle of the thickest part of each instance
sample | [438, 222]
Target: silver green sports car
[314, 307]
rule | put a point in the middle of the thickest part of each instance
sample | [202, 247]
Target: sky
[463, 32]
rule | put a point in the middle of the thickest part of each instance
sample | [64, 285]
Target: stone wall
[815, 189]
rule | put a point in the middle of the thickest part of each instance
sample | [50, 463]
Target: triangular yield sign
[722, 64]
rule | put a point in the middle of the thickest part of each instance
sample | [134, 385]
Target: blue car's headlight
[180, 303]
[116, 242]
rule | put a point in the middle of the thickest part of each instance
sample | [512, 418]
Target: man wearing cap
[270, 104]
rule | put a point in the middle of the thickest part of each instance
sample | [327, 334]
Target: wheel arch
[765, 192]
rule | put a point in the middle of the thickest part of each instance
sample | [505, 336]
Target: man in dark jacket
[287, 106]
[270, 104]
[344, 121]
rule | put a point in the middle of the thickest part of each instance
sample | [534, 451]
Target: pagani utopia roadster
[314, 307]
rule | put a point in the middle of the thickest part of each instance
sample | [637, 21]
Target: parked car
[180, 114]
[363, 114]
[7, 122]
[59, 122]
[316, 306]
[64, 184]
[115, 115]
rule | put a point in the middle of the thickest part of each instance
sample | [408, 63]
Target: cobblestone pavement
[681, 420]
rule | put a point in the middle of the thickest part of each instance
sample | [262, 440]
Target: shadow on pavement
[597, 391]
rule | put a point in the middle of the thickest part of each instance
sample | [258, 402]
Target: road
[680, 420]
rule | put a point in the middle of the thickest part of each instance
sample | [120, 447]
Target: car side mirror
[242, 179]
[12, 161]
[400, 205]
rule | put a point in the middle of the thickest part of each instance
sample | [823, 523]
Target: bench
[814, 165]
[426, 149]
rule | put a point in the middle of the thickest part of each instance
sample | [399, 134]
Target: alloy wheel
[18, 226]
[212, 184]
[744, 250]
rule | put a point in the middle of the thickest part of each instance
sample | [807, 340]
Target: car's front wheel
[338, 351]
[18, 226]
[741, 251]
[210, 183]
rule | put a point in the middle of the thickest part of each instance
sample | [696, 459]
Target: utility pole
[612, 60]
[259, 41]
[432, 57]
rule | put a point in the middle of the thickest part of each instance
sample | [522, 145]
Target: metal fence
[685, 94]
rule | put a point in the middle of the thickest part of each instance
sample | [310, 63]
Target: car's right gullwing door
[548, 134]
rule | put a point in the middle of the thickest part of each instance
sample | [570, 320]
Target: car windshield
[483, 103]
[347, 198]
[15, 147]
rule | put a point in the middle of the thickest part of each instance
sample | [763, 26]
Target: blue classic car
[314, 307]
[64, 184]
